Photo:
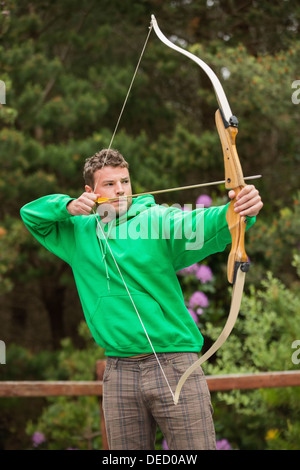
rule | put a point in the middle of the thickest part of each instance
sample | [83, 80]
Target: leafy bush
[261, 341]
[70, 422]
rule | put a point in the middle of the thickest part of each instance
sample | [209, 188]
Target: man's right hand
[83, 205]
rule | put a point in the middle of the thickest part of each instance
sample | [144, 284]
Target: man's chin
[123, 206]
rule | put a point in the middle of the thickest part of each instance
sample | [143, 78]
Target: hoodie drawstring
[103, 251]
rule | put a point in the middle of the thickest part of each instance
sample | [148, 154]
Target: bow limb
[220, 94]
[227, 126]
[233, 314]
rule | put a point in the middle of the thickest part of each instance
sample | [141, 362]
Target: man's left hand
[248, 201]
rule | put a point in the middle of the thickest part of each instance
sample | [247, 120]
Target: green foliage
[70, 422]
[276, 239]
[262, 341]
[64, 422]
[264, 332]
[11, 238]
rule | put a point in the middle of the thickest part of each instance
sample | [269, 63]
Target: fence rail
[95, 388]
[50, 389]
[85, 388]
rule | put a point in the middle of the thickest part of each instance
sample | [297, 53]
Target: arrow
[102, 200]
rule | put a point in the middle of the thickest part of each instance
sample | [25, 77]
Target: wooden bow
[238, 265]
[227, 126]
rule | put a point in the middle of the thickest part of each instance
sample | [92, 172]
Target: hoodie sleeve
[50, 223]
[198, 234]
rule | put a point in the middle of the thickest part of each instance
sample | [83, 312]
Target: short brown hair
[106, 157]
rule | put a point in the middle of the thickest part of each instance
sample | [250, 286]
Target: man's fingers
[248, 201]
[250, 207]
[83, 205]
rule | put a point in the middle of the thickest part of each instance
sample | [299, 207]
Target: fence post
[100, 367]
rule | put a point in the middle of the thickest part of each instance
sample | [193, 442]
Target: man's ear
[88, 189]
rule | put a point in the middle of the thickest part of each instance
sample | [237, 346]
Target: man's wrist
[70, 207]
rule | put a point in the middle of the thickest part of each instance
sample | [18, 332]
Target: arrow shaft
[169, 190]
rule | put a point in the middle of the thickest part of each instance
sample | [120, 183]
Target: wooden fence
[95, 388]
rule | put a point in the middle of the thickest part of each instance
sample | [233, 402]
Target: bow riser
[234, 179]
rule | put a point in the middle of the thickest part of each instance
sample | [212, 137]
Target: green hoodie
[150, 244]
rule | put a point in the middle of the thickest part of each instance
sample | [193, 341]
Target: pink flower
[198, 299]
[165, 445]
[223, 444]
[189, 270]
[38, 438]
[204, 273]
[193, 315]
[204, 200]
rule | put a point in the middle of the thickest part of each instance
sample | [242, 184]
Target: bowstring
[125, 101]
[99, 224]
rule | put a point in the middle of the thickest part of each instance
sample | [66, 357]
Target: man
[124, 261]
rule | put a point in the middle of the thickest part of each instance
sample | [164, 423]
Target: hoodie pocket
[117, 322]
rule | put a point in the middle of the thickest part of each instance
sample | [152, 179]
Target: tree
[67, 68]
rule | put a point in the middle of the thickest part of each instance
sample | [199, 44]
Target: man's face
[113, 182]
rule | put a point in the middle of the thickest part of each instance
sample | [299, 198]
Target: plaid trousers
[136, 399]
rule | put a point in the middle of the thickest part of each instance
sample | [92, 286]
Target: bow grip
[237, 256]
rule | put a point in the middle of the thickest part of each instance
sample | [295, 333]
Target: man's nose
[119, 189]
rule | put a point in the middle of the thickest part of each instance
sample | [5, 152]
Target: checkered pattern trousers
[136, 399]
